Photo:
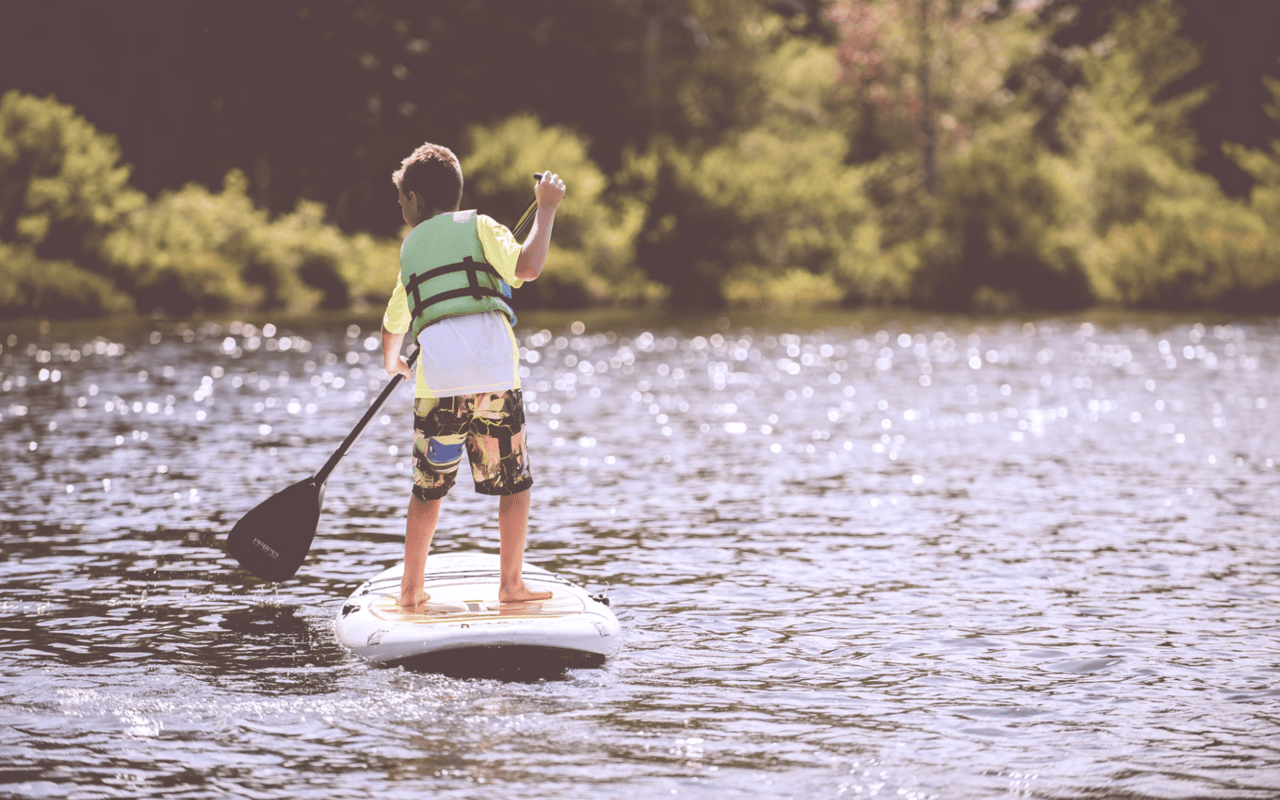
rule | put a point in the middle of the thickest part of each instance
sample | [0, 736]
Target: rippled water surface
[853, 557]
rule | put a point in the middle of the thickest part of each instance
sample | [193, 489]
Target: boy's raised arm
[533, 253]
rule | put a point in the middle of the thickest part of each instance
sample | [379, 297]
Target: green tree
[771, 213]
[999, 243]
[593, 246]
[968, 209]
[803, 232]
[925, 74]
[1258, 285]
[1153, 231]
[1264, 167]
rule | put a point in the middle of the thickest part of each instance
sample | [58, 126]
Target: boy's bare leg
[513, 523]
[420, 527]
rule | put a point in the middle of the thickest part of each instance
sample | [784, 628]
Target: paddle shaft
[526, 219]
[323, 475]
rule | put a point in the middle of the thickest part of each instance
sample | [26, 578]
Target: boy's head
[430, 182]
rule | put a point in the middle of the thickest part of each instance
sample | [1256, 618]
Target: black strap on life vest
[474, 290]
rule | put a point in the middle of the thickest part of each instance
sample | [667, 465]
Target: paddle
[273, 539]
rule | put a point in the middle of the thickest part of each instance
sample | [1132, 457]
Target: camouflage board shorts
[489, 426]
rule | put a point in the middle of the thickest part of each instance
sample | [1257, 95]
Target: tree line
[200, 157]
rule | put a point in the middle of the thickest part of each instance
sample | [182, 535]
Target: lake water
[864, 556]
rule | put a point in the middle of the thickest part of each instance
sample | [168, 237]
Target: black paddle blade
[272, 540]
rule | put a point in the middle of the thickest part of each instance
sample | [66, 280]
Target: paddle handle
[323, 475]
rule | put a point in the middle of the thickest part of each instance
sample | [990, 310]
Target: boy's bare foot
[409, 602]
[521, 594]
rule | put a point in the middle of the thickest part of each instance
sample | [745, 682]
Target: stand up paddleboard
[463, 622]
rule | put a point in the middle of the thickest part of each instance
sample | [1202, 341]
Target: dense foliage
[949, 154]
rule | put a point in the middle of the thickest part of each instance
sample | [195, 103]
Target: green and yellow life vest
[445, 274]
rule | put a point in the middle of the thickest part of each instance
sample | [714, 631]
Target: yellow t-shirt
[472, 353]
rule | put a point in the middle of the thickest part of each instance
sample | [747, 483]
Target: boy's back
[457, 270]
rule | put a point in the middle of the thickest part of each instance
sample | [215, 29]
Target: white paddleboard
[464, 614]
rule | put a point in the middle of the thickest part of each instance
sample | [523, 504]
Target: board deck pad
[458, 603]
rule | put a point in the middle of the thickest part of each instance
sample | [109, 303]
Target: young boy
[457, 269]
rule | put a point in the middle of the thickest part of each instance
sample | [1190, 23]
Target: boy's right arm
[396, 318]
[395, 363]
[533, 253]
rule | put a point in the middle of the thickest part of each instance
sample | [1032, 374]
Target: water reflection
[904, 556]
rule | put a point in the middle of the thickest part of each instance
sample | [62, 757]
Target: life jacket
[444, 272]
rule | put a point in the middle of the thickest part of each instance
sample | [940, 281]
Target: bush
[30, 286]
[795, 288]
[1179, 243]
[62, 190]
[370, 267]
[1186, 253]
[194, 251]
[319, 265]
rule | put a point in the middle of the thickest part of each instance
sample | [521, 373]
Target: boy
[457, 269]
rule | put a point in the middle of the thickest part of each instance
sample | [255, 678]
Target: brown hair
[433, 172]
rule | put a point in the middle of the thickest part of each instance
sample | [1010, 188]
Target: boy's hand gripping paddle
[273, 540]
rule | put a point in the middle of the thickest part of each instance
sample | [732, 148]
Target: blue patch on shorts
[444, 458]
